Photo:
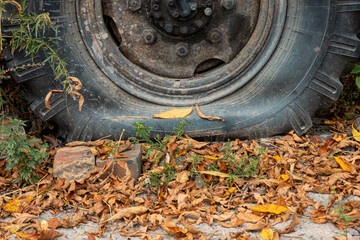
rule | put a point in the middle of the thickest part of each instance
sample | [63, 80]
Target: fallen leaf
[215, 173]
[270, 208]
[267, 233]
[48, 96]
[355, 133]
[294, 222]
[174, 113]
[277, 158]
[129, 212]
[206, 117]
[344, 165]
[256, 226]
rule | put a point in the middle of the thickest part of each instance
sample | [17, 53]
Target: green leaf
[358, 81]
[356, 70]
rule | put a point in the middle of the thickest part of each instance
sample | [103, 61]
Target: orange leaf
[206, 117]
[270, 208]
[13, 206]
[267, 233]
[277, 158]
[344, 165]
[174, 113]
[230, 191]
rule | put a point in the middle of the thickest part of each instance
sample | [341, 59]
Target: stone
[73, 163]
[133, 162]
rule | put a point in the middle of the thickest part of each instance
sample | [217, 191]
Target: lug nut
[169, 28]
[215, 35]
[198, 24]
[209, 3]
[208, 11]
[193, 6]
[182, 49]
[156, 7]
[176, 14]
[149, 36]
[171, 2]
[134, 5]
[184, 30]
[228, 4]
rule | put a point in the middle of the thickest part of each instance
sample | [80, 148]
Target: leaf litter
[195, 183]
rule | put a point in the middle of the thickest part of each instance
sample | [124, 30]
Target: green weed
[21, 152]
[356, 72]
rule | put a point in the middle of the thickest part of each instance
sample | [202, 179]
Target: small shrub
[21, 152]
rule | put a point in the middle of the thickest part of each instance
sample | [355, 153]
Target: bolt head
[228, 4]
[134, 5]
[182, 49]
[149, 36]
[198, 24]
[184, 30]
[214, 35]
[170, 2]
[193, 6]
[156, 7]
[169, 28]
[208, 11]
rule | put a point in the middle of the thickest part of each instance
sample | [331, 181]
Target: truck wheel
[265, 66]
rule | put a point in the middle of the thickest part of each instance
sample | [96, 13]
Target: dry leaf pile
[203, 188]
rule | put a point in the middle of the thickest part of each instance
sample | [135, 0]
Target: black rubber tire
[300, 78]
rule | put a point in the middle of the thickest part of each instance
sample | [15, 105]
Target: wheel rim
[130, 55]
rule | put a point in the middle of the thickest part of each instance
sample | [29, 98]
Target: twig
[123, 117]
[80, 235]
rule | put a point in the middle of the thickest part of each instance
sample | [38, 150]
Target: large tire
[294, 74]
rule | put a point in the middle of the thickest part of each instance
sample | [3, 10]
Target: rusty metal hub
[181, 38]
[177, 52]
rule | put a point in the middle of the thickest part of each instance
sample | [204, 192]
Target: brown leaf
[54, 223]
[129, 212]
[256, 226]
[90, 237]
[48, 96]
[81, 99]
[291, 228]
[49, 234]
[206, 117]
[78, 83]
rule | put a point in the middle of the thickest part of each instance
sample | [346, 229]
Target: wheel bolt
[156, 7]
[134, 5]
[193, 6]
[198, 24]
[175, 14]
[169, 28]
[184, 30]
[228, 4]
[182, 49]
[171, 2]
[149, 36]
[208, 11]
[215, 35]
[208, 3]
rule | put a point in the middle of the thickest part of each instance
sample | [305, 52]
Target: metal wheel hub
[131, 42]
[181, 38]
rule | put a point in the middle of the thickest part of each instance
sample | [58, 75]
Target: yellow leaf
[230, 191]
[355, 133]
[344, 165]
[215, 173]
[13, 206]
[267, 233]
[270, 208]
[174, 113]
[210, 157]
[277, 158]
[282, 177]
